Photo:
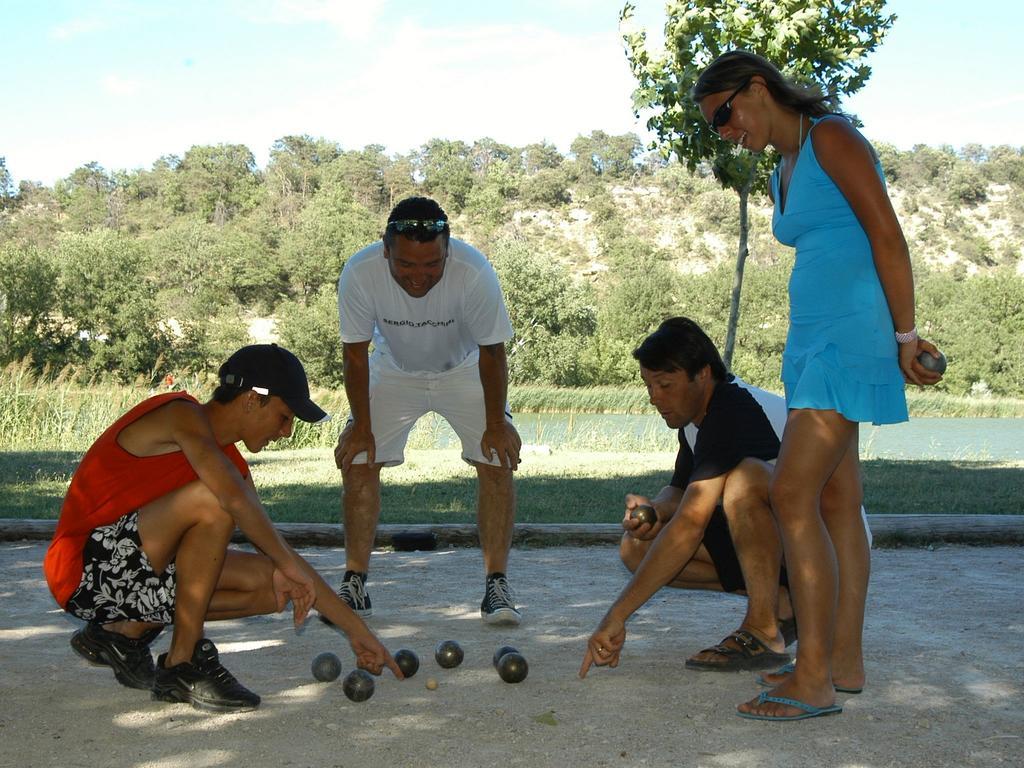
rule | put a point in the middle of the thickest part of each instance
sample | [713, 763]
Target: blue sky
[121, 82]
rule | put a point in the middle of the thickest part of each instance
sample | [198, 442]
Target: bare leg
[840, 508]
[246, 587]
[361, 508]
[758, 548]
[496, 509]
[699, 573]
[813, 446]
[189, 526]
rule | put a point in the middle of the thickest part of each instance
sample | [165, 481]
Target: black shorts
[118, 583]
[718, 542]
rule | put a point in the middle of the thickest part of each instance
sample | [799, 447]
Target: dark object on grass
[448, 654]
[932, 363]
[411, 541]
[407, 661]
[501, 652]
[326, 667]
[512, 667]
[358, 686]
[645, 514]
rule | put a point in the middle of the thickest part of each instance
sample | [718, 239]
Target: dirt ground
[944, 648]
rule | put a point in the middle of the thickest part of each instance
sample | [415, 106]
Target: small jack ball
[512, 667]
[431, 684]
[501, 652]
[448, 654]
[931, 362]
[358, 685]
[645, 514]
[407, 661]
[326, 667]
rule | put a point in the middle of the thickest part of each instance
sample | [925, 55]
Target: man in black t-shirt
[714, 527]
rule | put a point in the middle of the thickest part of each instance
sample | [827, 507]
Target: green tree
[84, 197]
[310, 330]
[35, 218]
[365, 174]
[219, 182]
[547, 187]
[642, 292]
[188, 277]
[1006, 165]
[28, 308]
[818, 41]
[6, 186]
[493, 189]
[330, 229]
[447, 170]
[539, 156]
[109, 306]
[294, 171]
[149, 199]
[552, 315]
[978, 322]
[966, 185]
[604, 155]
[399, 179]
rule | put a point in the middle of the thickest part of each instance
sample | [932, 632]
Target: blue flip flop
[809, 710]
[787, 669]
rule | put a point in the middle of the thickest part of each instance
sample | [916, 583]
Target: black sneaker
[498, 606]
[202, 682]
[353, 592]
[129, 658]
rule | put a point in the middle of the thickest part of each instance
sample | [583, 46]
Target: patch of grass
[565, 487]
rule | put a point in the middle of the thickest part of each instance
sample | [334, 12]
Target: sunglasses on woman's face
[723, 114]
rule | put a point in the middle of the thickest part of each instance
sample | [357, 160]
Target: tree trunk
[741, 260]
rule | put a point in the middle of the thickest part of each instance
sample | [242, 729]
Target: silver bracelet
[906, 338]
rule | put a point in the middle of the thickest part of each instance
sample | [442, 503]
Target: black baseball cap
[272, 370]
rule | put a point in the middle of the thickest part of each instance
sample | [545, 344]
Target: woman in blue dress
[851, 347]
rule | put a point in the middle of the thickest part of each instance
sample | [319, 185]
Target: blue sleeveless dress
[840, 352]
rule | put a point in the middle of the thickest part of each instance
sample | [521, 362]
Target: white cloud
[514, 83]
[120, 86]
[76, 28]
[353, 20]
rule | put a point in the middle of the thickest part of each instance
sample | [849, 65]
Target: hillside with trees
[121, 274]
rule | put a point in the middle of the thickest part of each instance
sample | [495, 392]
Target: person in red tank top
[142, 539]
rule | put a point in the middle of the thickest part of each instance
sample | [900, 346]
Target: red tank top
[109, 484]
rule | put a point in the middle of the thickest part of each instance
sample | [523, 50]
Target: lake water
[920, 438]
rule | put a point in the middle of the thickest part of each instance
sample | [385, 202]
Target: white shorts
[399, 399]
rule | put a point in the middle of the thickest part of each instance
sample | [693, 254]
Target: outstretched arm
[370, 653]
[671, 550]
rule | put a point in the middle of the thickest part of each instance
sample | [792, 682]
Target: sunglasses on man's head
[404, 225]
[723, 114]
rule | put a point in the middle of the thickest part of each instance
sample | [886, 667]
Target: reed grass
[633, 399]
[55, 412]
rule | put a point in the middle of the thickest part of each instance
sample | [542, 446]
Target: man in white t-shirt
[433, 310]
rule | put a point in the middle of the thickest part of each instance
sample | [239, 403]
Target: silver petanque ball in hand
[932, 363]
[645, 514]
